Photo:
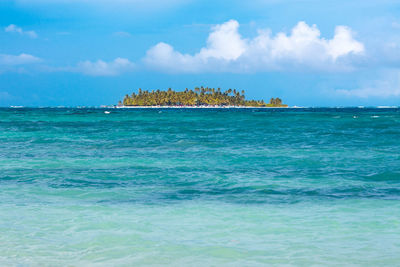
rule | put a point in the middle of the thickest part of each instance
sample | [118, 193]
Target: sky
[93, 52]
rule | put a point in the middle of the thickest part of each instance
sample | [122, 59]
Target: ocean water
[180, 187]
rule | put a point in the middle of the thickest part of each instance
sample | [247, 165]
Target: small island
[199, 97]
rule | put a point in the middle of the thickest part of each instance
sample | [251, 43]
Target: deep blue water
[237, 187]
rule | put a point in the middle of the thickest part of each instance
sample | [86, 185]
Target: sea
[200, 187]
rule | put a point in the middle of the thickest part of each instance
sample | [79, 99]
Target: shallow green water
[199, 187]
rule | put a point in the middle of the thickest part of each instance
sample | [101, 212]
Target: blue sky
[93, 52]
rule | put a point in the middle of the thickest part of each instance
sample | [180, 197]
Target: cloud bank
[226, 50]
[387, 86]
[15, 29]
[102, 68]
[21, 59]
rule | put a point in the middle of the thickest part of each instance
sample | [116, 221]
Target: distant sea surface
[190, 187]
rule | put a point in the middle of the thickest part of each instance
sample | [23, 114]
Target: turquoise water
[199, 187]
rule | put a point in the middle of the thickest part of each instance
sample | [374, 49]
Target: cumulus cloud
[227, 50]
[15, 29]
[102, 68]
[21, 59]
[224, 42]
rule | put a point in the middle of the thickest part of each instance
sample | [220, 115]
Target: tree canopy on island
[202, 96]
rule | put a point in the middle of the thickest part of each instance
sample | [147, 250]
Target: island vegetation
[200, 96]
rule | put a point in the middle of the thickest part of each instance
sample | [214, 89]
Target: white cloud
[15, 29]
[102, 68]
[122, 34]
[385, 87]
[224, 42]
[343, 43]
[396, 25]
[12, 60]
[383, 91]
[226, 50]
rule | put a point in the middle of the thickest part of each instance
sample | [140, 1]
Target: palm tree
[200, 96]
